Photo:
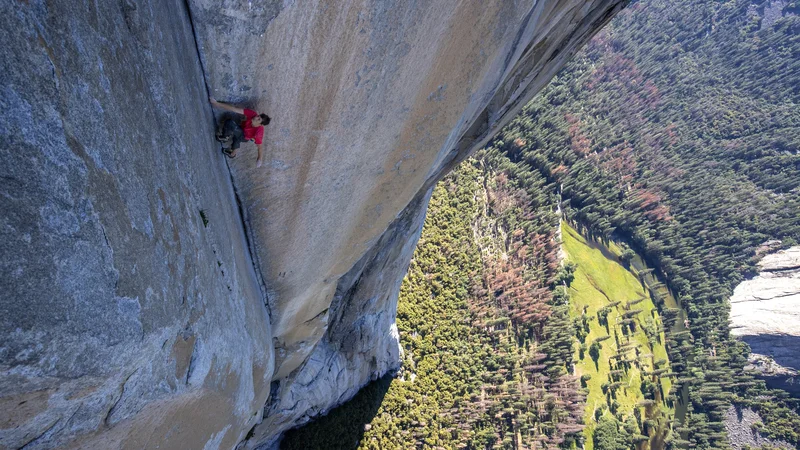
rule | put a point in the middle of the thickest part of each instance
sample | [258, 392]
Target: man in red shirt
[250, 129]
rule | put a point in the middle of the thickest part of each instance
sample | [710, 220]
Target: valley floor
[625, 358]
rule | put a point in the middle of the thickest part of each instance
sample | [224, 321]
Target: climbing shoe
[226, 141]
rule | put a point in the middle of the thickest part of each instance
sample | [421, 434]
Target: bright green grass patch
[599, 281]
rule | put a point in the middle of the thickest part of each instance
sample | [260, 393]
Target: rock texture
[124, 320]
[739, 423]
[765, 313]
[399, 94]
[361, 343]
[372, 102]
[393, 96]
[127, 319]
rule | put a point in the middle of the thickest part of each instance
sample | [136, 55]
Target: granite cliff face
[125, 321]
[765, 313]
[372, 102]
[151, 297]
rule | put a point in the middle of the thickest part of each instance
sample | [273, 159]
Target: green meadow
[630, 339]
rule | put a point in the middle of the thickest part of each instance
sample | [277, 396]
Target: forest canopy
[676, 131]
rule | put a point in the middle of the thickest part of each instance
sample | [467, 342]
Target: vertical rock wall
[124, 320]
[372, 102]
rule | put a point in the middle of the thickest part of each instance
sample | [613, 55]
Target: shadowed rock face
[127, 321]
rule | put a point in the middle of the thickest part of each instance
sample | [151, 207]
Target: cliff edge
[764, 314]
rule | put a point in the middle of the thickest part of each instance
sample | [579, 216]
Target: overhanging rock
[372, 102]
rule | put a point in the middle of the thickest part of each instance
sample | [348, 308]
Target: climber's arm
[259, 161]
[225, 106]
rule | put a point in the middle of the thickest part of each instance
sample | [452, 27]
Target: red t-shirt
[251, 132]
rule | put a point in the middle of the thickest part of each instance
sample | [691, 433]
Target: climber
[231, 133]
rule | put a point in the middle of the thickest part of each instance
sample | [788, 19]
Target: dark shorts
[234, 131]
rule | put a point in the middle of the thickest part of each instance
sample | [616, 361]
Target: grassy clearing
[600, 280]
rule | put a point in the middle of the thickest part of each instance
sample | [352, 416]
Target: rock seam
[248, 233]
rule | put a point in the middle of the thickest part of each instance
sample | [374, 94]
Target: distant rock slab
[767, 304]
[765, 313]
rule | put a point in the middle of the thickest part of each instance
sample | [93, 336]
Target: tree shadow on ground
[343, 427]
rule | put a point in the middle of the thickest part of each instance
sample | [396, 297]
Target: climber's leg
[230, 134]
